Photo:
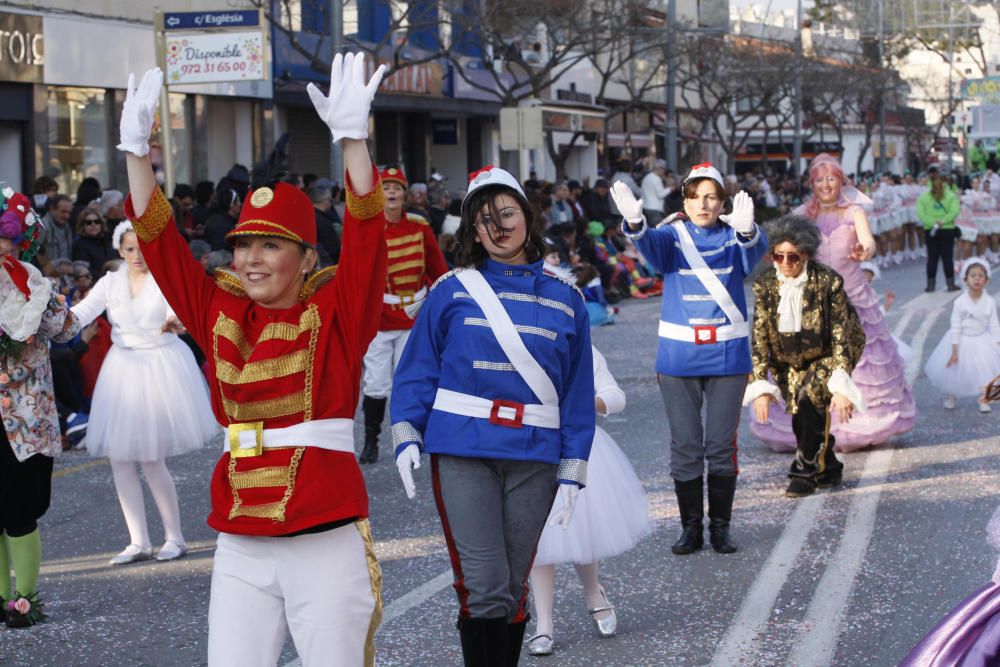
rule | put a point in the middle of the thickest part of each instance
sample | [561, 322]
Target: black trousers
[814, 442]
[940, 245]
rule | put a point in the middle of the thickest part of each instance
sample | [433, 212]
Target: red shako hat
[394, 174]
[281, 210]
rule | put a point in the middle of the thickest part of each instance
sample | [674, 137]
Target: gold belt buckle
[405, 300]
[234, 431]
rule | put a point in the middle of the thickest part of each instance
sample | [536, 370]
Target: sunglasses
[92, 221]
[786, 257]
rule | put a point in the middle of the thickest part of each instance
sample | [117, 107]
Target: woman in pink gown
[835, 207]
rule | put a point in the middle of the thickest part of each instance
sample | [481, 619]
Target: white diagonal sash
[707, 277]
[506, 334]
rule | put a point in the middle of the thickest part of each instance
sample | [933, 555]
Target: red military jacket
[415, 261]
[276, 368]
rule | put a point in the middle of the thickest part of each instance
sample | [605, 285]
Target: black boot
[515, 638]
[484, 641]
[691, 505]
[721, 491]
[952, 287]
[374, 411]
[930, 285]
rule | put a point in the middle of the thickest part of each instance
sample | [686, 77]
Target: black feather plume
[274, 168]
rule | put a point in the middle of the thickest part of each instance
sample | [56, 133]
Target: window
[78, 137]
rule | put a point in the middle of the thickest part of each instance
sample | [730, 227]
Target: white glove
[345, 110]
[567, 503]
[408, 461]
[741, 219]
[628, 205]
[138, 112]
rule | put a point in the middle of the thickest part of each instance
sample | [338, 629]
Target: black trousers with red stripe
[492, 512]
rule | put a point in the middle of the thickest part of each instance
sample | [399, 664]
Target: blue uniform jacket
[731, 257]
[452, 346]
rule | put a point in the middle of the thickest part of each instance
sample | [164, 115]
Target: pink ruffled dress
[880, 375]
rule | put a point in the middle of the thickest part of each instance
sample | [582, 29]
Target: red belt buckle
[501, 420]
[704, 335]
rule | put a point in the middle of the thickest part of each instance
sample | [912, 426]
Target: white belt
[500, 412]
[251, 438]
[703, 335]
[403, 300]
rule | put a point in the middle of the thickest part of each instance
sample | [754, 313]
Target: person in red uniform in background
[284, 345]
[415, 262]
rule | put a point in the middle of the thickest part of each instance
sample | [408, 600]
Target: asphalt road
[853, 576]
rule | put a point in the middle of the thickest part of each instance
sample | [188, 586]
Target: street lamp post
[671, 123]
[797, 95]
[337, 40]
[881, 167]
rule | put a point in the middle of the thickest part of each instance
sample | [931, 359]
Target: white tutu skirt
[149, 404]
[978, 363]
[611, 514]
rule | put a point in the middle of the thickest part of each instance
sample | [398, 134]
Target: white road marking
[817, 642]
[748, 625]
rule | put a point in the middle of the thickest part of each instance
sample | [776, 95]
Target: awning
[637, 140]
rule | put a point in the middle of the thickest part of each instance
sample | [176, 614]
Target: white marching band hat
[705, 170]
[490, 175]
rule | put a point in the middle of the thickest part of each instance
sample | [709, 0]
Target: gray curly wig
[798, 230]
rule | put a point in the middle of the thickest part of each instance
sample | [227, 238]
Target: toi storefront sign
[215, 57]
[22, 48]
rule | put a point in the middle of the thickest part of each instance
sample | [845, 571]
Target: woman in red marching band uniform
[287, 495]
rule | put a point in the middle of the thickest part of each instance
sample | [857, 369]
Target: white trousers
[381, 360]
[326, 587]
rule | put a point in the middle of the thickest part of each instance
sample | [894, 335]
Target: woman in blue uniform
[496, 384]
[704, 349]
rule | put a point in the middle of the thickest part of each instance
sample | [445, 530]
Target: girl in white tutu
[968, 356]
[611, 517]
[150, 400]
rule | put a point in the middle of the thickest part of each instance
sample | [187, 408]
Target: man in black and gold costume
[807, 339]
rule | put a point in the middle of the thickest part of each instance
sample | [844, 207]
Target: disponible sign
[215, 57]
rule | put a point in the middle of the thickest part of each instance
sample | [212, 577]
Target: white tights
[161, 485]
[543, 589]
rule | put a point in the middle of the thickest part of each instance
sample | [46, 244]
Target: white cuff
[635, 236]
[753, 237]
[758, 388]
[139, 150]
[841, 383]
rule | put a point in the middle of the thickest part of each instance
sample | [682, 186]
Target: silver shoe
[540, 645]
[607, 626]
[171, 551]
[133, 553]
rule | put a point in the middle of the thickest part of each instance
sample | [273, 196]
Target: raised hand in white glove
[741, 219]
[628, 205]
[408, 461]
[138, 112]
[345, 110]
[566, 502]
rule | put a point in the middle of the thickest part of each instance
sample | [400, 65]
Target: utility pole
[951, 62]
[671, 124]
[337, 39]
[797, 97]
[882, 165]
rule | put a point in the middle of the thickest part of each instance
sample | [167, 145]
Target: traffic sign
[243, 18]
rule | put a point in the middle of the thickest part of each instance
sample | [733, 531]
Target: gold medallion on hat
[261, 197]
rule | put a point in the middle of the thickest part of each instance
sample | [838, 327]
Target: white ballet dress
[151, 401]
[612, 514]
[976, 330]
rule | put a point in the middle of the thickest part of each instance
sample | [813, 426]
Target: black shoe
[952, 287]
[721, 491]
[374, 412]
[484, 641]
[692, 510]
[930, 285]
[800, 487]
[829, 478]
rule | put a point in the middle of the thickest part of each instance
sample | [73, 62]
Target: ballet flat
[171, 551]
[540, 645]
[606, 627]
[133, 553]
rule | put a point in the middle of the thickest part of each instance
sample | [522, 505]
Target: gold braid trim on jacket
[831, 338]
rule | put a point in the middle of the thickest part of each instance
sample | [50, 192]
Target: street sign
[521, 127]
[215, 57]
[986, 89]
[207, 20]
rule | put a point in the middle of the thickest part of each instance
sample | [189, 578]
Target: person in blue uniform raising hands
[704, 340]
[496, 384]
